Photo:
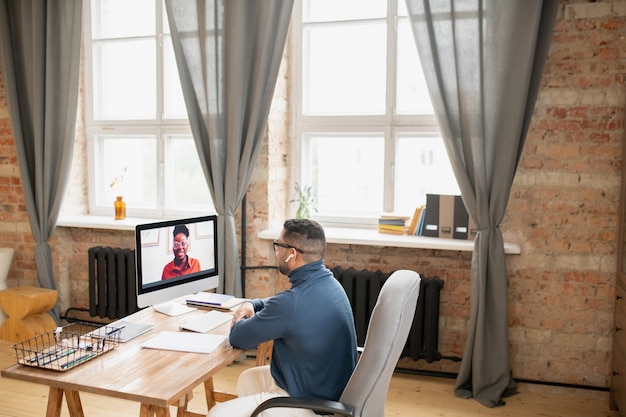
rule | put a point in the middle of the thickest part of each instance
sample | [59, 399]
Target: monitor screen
[175, 258]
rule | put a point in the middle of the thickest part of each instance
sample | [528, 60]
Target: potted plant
[305, 200]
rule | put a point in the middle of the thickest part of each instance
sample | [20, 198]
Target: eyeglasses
[181, 244]
[276, 243]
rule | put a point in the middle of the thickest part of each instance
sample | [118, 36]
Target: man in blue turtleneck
[311, 324]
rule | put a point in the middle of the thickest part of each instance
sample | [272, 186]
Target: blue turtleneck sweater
[313, 331]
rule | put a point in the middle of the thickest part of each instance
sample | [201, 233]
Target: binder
[472, 229]
[461, 219]
[446, 216]
[431, 216]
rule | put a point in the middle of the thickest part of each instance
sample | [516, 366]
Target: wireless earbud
[289, 258]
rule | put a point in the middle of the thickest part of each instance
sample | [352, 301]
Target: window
[139, 140]
[368, 141]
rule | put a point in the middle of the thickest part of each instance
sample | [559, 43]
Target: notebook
[206, 322]
[209, 299]
[185, 341]
[215, 301]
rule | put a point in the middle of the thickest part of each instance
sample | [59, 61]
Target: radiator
[363, 287]
[112, 284]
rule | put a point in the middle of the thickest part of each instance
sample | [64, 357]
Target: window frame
[160, 127]
[390, 123]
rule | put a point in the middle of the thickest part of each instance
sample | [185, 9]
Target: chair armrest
[315, 404]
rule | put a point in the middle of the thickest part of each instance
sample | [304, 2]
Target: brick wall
[562, 212]
[563, 207]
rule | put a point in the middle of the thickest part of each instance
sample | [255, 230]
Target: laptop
[128, 330]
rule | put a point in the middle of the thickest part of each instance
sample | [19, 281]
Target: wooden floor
[409, 395]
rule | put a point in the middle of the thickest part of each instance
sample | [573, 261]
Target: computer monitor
[175, 258]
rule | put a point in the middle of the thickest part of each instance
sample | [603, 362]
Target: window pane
[139, 115]
[185, 183]
[166, 21]
[122, 18]
[124, 75]
[174, 102]
[412, 93]
[344, 69]
[331, 10]
[127, 165]
[422, 166]
[402, 11]
[346, 174]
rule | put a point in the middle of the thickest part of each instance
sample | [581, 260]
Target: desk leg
[55, 400]
[181, 407]
[148, 410]
[74, 404]
[208, 393]
[213, 396]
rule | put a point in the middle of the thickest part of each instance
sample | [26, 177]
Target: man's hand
[245, 311]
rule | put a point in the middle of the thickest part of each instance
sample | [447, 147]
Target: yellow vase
[120, 208]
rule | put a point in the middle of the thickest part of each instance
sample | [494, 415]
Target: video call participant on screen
[182, 264]
[311, 324]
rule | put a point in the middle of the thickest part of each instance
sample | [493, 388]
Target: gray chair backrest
[387, 333]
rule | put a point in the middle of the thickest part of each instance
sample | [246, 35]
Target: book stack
[393, 224]
[214, 301]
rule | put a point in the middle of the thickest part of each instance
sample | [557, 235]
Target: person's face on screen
[179, 246]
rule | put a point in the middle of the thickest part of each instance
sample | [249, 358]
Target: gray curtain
[228, 54]
[40, 59]
[483, 62]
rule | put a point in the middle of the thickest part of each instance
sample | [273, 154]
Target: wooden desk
[154, 378]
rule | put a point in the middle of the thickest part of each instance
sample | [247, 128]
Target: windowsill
[370, 237]
[101, 222]
[367, 237]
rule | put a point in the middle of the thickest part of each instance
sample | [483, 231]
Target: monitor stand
[172, 308]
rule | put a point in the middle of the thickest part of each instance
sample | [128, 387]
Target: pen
[41, 356]
[115, 330]
[53, 358]
[78, 360]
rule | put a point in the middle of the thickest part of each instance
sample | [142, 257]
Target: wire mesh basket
[68, 346]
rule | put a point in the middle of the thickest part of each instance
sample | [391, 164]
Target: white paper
[185, 341]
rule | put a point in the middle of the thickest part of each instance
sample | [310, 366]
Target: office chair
[366, 391]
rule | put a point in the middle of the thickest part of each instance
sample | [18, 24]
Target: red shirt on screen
[171, 270]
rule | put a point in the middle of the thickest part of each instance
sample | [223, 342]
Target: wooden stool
[27, 310]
